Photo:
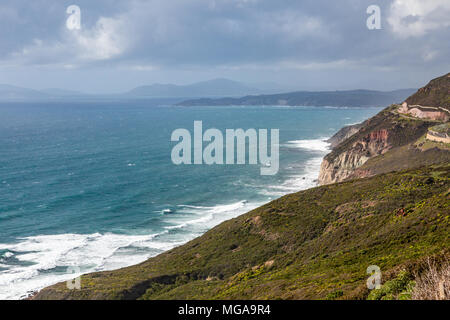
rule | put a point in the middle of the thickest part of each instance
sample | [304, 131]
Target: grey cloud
[224, 34]
[204, 32]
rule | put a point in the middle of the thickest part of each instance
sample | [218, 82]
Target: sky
[297, 44]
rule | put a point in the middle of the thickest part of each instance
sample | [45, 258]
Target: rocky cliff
[440, 133]
[342, 166]
[385, 133]
[343, 134]
[430, 113]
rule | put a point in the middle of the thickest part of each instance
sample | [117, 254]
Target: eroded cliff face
[387, 132]
[430, 113]
[343, 134]
[341, 168]
[336, 168]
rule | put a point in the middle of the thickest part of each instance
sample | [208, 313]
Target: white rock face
[344, 164]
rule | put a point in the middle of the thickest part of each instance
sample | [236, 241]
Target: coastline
[306, 180]
[225, 261]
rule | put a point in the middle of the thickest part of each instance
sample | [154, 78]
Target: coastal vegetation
[314, 244]
[384, 201]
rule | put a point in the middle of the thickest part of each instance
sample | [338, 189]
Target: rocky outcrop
[421, 112]
[437, 137]
[440, 133]
[340, 167]
[343, 134]
[394, 131]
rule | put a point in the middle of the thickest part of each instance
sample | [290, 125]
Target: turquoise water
[92, 186]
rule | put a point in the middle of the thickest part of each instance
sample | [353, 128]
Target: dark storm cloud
[249, 34]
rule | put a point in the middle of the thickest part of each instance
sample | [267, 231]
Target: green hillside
[314, 244]
[435, 94]
[391, 210]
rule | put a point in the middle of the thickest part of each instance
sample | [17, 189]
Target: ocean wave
[39, 258]
[206, 217]
[214, 209]
[42, 260]
[309, 144]
[296, 182]
[7, 254]
[308, 176]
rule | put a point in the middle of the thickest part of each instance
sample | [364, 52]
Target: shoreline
[295, 183]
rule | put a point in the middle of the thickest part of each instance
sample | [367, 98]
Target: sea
[90, 186]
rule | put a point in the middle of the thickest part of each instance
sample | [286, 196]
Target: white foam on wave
[312, 144]
[308, 175]
[8, 254]
[207, 217]
[217, 208]
[91, 252]
[297, 182]
[100, 252]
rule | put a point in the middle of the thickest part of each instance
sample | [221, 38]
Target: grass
[441, 128]
[314, 244]
[434, 94]
[399, 288]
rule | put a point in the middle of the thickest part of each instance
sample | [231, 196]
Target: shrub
[334, 295]
[399, 288]
[434, 282]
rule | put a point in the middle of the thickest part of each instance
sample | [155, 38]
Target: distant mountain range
[216, 92]
[211, 88]
[55, 92]
[8, 93]
[13, 93]
[352, 98]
